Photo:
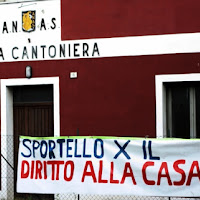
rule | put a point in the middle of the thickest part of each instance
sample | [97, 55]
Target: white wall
[17, 0]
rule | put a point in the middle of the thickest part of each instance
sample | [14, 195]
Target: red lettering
[100, 180]
[166, 173]
[111, 174]
[128, 174]
[195, 164]
[45, 169]
[58, 163]
[148, 182]
[38, 169]
[180, 171]
[23, 173]
[32, 168]
[71, 163]
[53, 168]
[91, 173]
[55, 164]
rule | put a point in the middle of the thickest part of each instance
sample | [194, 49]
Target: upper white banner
[32, 31]
[111, 166]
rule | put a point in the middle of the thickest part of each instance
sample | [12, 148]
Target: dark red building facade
[108, 68]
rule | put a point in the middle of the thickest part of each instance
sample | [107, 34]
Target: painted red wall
[111, 96]
[111, 18]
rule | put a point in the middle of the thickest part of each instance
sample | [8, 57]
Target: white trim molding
[161, 98]
[7, 174]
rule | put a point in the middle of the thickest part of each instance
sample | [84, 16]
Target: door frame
[7, 174]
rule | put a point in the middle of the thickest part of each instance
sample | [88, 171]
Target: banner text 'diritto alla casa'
[107, 165]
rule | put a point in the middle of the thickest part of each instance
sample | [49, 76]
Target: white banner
[111, 166]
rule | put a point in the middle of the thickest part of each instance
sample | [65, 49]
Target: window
[178, 105]
[182, 109]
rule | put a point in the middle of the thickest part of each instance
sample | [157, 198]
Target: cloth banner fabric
[109, 166]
